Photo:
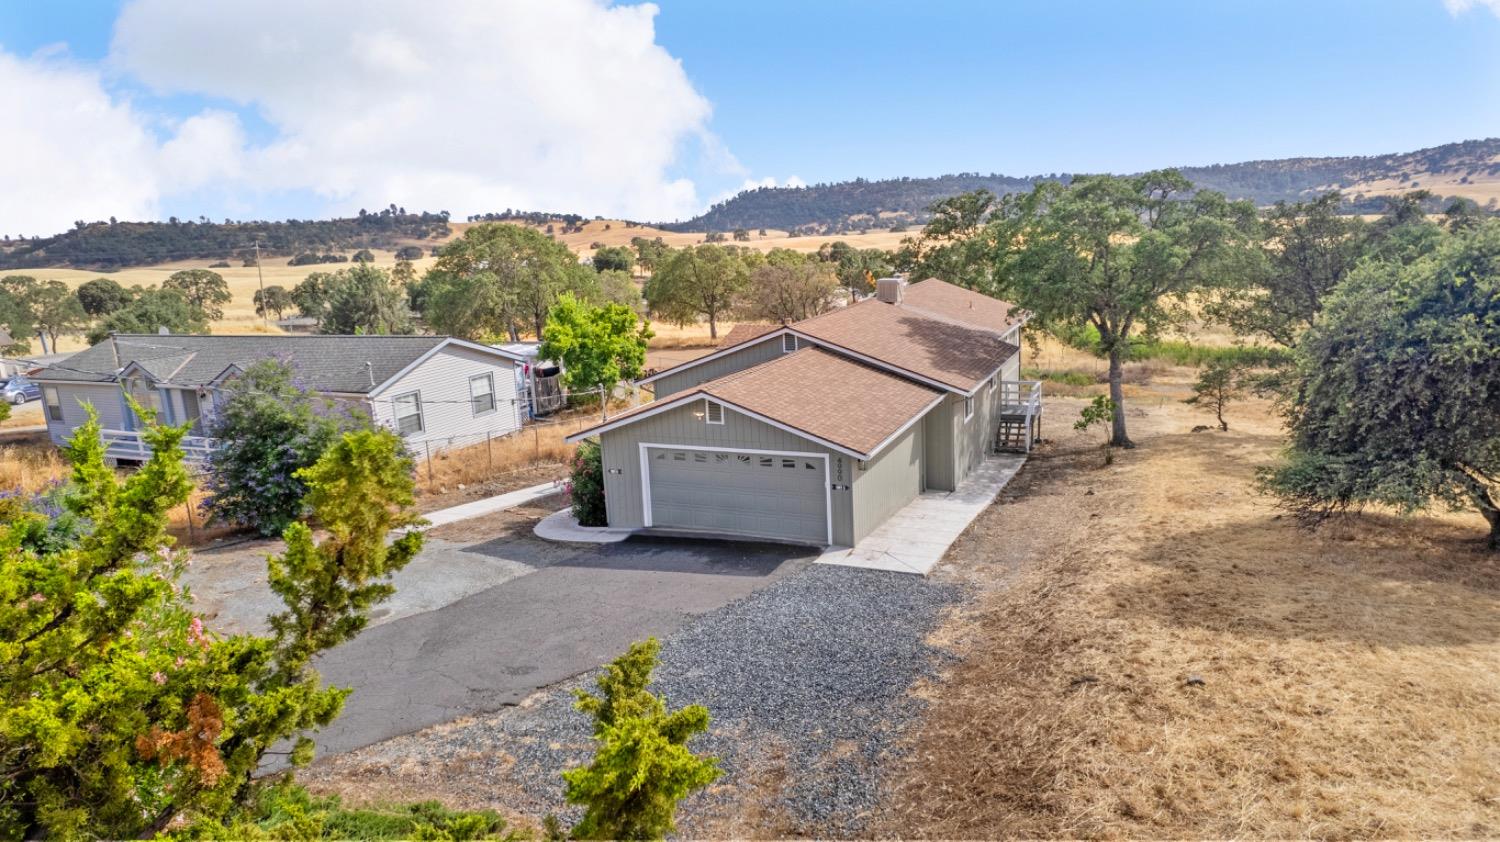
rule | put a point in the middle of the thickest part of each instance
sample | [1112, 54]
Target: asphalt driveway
[578, 607]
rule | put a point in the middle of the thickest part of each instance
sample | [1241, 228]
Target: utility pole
[265, 319]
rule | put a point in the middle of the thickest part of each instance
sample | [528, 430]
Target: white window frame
[489, 378]
[396, 414]
[708, 412]
[788, 339]
[968, 407]
[52, 399]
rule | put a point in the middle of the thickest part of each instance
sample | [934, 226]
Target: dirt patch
[518, 521]
[1154, 651]
[444, 496]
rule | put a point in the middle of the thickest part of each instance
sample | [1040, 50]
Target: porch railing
[1020, 397]
[131, 445]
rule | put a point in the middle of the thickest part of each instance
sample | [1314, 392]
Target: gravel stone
[806, 682]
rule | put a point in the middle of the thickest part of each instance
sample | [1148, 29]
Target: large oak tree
[1117, 254]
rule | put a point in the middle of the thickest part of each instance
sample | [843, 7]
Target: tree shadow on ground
[1248, 569]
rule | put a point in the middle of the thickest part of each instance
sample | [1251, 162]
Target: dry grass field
[1154, 651]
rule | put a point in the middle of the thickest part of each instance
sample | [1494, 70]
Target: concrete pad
[916, 538]
[562, 526]
[490, 505]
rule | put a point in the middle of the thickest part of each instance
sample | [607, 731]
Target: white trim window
[713, 412]
[482, 393]
[54, 403]
[407, 410]
[788, 343]
[968, 407]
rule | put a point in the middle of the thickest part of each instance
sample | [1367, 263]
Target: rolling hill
[1469, 169]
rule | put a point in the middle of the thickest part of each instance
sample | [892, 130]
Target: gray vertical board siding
[679, 427]
[889, 481]
[106, 399]
[1012, 368]
[753, 354]
[971, 439]
[937, 435]
[448, 419]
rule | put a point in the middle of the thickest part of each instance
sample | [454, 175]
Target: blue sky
[816, 91]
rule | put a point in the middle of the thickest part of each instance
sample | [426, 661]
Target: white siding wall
[105, 398]
[448, 419]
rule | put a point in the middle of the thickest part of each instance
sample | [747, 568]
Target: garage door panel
[766, 495]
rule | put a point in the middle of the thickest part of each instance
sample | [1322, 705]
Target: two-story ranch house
[817, 431]
[436, 391]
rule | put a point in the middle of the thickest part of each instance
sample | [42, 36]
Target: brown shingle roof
[947, 301]
[744, 332]
[938, 349]
[817, 392]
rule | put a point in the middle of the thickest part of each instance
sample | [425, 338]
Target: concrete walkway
[562, 526]
[490, 505]
[915, 539]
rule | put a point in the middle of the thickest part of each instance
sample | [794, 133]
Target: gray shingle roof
[323, 363]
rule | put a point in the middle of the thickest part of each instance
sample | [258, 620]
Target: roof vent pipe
[370, 372]
[889, 290]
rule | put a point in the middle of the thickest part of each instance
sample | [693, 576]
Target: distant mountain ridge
[1469, 168]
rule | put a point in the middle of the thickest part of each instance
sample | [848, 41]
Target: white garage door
[781, 496]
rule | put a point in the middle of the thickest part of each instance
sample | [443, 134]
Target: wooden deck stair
[1020, 416]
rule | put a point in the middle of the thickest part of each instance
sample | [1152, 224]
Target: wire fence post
[536, 442]
[191, 538]
[603, 404]
[489, 451]
[428, 446]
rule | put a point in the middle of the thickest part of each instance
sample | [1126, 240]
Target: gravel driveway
[807, 682]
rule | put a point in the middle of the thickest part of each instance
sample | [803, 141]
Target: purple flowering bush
[269, 428]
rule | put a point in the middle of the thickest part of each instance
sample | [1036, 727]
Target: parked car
[19, 390]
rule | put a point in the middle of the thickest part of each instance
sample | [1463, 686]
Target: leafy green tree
[500, 279]
[1398, 389]
[203, 289]
[103, 296]
[362, 299]
[269, 427]
[1308, 249]
[616, 287]
[1221, 383]
[699, 282]
[15, 313]
[649, 253]
[956, 245]
[273, 300]
[403, 274]
[784, 293]
[1117, 254]
[152, 309]
[311, 294]
[618, 258]
[363, 256]
[47, 308]
[120, 715]
[642, 766]
[597, 346]
[1101, 410]
[859, 269]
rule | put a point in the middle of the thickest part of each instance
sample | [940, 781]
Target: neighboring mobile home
[818, 431]
[436, 391]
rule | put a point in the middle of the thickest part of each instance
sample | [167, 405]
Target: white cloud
[565, 105]
[757, 183]
[1458, 7]
[536, 104]
[70, 151]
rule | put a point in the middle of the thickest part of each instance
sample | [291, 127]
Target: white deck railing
[129, 444]
[1020, 397]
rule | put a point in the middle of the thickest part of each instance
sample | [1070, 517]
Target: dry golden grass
[31, 466]
[534, 444]
[1349, 677]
